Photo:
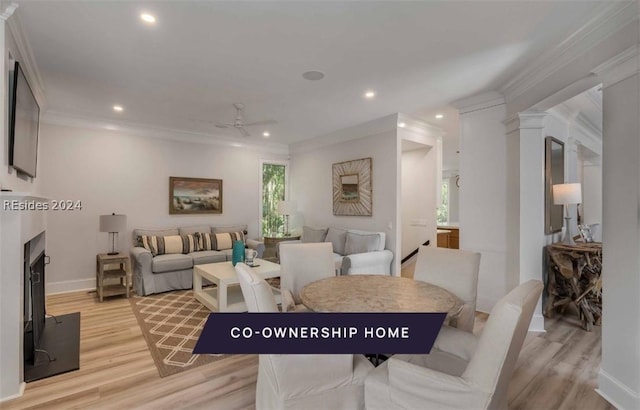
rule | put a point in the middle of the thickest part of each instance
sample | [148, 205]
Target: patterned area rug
[171, 324]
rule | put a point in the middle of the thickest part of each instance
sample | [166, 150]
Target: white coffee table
[226, 296]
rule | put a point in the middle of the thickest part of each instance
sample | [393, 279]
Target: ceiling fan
[239, 123]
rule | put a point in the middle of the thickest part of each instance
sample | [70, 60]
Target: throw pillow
[361, 243]
[313, 235]
[337, 236]
[162, 245]
[219, 241]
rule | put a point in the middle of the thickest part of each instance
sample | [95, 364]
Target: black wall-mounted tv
[24, 123]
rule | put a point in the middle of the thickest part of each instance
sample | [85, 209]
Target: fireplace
[34, 318]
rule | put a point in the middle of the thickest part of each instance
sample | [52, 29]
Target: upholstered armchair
[456, 271]
[462, 371]
[301, 264]
[301, 381]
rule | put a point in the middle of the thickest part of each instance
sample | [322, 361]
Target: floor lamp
[113, 224]
[286, 208]
[567, 194]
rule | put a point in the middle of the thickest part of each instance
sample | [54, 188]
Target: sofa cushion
[312, 235]
[219, 241]
[361, 243]
[138, 233]
[161, 245]
[202, 257]
[338, 237]
[171, 262]
[228, 253]
[187, 230]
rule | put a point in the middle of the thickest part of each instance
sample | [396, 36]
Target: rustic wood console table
[574, 277]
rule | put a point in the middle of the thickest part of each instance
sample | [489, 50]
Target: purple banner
[319, 333]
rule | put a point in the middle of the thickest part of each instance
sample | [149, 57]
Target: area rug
[171, 324]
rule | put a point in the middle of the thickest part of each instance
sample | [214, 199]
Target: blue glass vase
[237, 254]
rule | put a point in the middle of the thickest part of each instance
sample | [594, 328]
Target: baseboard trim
[15, 396]
[537, 323]
[67, 286]
[616, 392]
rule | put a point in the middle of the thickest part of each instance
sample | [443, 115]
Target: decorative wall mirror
[553, 174]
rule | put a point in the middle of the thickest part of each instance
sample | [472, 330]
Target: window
[274, 189]
[443, 210]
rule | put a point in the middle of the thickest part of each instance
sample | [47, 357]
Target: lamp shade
[113, 223]
[567, 194]
[287, 207]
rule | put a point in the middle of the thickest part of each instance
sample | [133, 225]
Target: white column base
[616, 393]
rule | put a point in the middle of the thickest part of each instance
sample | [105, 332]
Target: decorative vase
[237, 254]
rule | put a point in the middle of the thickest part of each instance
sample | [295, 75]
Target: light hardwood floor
[557, 369]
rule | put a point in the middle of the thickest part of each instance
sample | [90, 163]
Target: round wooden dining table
[378, 293]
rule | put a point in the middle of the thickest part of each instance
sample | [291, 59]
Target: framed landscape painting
[352, 194]
[195, 196]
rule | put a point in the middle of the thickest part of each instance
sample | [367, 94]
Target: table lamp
[113, 224]
[567, 194]
[287, 208]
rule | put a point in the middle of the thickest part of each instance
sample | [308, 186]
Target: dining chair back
[303, 263]
[256, 291]
[456, 271]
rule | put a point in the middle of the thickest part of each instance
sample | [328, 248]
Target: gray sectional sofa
[162, 273]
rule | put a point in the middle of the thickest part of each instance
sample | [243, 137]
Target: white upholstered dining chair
[301, 381]
[301, 264]
[456, 271]
[462, 371]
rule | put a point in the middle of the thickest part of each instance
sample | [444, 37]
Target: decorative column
[526, 202]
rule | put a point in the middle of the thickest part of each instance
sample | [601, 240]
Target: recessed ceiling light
[118, 108]
[266, 134]
[147, 18]
[369, 94]
[402, 124]
[313, 75]
[438, 116]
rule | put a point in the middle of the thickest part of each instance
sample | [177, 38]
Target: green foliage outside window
[443, 210]
[273, 190]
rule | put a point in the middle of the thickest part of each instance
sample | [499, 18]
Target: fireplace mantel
[17, 227]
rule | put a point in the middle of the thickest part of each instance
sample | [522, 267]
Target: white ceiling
[201, 57]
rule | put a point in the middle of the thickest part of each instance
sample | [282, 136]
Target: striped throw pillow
[219, 241]
[162, 245]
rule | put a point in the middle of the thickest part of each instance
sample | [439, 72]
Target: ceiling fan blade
[265, 122]
[222, 124]
[244, 132]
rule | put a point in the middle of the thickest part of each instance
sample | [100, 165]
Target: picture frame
[195, 196]
[352, 188]
[553, 174]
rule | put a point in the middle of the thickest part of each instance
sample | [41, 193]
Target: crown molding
[29, 62]
[620, 67]
[479, 102]
[525, 120]
[100, 124]
[7, 10]
[609, 18]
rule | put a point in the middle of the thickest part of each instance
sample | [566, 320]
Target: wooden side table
[575, 278]
[270, 244]
[104, 270]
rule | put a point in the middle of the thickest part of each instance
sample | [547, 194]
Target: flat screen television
[24, 123]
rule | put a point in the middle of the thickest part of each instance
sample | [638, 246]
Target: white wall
[619, 376]
[311, 183]
[483, 197]
[418, 194]
[129, 174]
